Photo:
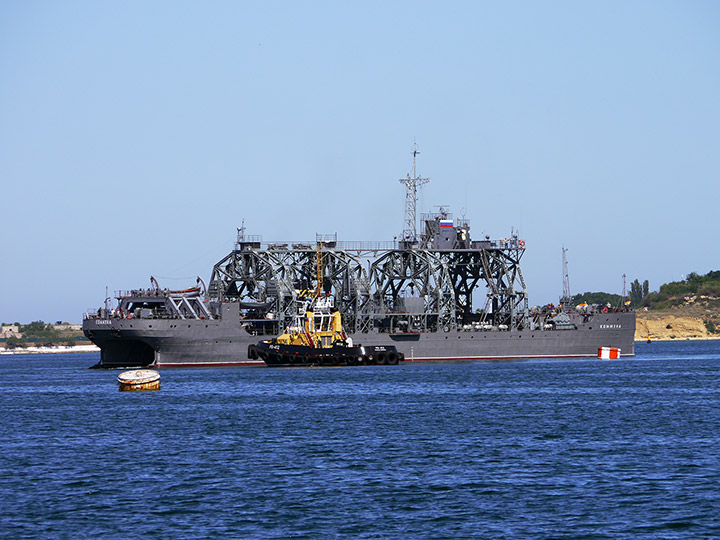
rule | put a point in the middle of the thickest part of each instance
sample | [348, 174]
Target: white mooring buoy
[139, 379]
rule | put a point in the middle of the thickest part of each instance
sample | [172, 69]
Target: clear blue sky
[136, 136]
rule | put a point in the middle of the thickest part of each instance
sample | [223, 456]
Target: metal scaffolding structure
[423, 283]
[397, 290]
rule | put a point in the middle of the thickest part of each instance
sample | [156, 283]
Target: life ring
[605, 310]
[522, 243]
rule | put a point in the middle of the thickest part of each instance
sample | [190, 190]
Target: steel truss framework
[401, 290]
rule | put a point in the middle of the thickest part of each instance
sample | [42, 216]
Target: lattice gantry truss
[396, 289]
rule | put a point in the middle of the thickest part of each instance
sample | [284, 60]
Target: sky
[135, 137]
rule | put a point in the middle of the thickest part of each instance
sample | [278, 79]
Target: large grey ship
[435, 294]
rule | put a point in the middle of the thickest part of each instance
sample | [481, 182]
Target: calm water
[551, 449]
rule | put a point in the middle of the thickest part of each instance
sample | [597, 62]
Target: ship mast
[319, 269]
[412, 184]
[565, 299]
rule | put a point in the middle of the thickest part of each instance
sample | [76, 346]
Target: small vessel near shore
[317, 339]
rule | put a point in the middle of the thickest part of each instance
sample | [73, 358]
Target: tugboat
[317, 338]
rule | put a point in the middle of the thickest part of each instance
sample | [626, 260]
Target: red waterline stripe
[443, 359]
[211, 364]
[450, 359]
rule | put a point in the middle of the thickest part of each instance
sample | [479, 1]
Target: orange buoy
[608, 353]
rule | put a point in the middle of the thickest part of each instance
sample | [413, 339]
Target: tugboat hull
[279, 355]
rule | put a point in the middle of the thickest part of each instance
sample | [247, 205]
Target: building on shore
[9, 330]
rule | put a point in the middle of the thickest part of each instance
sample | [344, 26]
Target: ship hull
[192, 343]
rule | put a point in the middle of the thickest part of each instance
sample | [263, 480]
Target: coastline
[50, 350]
[694, 338]
[673, 326]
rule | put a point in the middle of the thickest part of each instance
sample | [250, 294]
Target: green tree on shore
[14, 342]
[39, 332]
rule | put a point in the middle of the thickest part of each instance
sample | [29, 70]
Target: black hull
[278, 355]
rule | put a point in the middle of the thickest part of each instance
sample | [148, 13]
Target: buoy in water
[608, 353]
[139, 379]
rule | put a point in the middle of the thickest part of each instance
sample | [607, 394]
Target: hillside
[677, 323]
[686, 309]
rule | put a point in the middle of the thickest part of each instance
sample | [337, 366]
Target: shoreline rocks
[656, 327]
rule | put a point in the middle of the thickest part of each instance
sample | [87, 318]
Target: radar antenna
[411, 191]
[241, 232]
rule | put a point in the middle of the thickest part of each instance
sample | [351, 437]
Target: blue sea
[576, 449]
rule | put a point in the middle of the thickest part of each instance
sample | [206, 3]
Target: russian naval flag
[446, 222]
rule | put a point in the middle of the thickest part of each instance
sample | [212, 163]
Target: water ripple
[546, 449]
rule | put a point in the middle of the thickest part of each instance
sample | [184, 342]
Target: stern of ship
[116, 350]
